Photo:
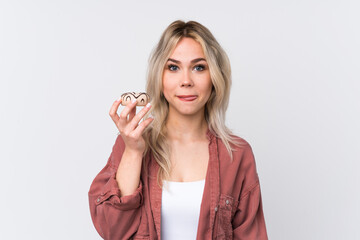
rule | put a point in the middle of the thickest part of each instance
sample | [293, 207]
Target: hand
[129, 127]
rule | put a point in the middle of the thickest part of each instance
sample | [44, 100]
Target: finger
[132, 114]
[113, 110]
[125, 112]
[135, 121]
[141, 127]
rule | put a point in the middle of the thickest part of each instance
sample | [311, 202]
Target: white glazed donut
[141, 98]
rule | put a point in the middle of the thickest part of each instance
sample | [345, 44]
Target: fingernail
[134, 100]
[118, 99]
[148, 105]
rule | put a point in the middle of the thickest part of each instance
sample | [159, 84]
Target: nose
[187, 80]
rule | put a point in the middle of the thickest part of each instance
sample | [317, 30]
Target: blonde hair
[215, 109]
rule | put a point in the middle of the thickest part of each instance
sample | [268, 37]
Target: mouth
[187, 98]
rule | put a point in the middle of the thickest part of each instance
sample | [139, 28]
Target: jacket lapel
[210, 196]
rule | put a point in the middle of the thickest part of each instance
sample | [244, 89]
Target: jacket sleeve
[114, 217]
[248, 221]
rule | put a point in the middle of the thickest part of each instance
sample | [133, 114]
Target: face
[186, 79]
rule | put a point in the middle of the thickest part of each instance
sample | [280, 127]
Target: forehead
[187, 48]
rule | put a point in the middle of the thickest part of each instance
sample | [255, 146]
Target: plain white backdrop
[295, 99]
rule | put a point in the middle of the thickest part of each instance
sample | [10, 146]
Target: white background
[295, 99]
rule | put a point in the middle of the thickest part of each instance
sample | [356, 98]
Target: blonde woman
[181, 173]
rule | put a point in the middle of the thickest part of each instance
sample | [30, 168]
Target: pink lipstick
[187, 98]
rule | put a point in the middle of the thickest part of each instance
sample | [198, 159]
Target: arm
[115, 196]
[248, 221]
[114, 216]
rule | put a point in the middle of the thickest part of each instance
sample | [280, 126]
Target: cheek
[208, 91]
[166, 86]
[168, 83]
[209, 86]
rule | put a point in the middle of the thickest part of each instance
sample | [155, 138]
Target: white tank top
[180, 209]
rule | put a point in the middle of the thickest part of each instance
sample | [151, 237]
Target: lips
[187, 98]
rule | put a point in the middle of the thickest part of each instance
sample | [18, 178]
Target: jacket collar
[211, 189]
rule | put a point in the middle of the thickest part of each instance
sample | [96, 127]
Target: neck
[186, 128]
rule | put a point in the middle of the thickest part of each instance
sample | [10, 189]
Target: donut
[141, 98]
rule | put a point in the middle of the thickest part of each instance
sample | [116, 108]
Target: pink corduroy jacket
[231, 206]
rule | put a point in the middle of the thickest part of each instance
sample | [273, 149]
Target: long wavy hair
[215, 109]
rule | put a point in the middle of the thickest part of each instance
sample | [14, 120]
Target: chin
[189, 111]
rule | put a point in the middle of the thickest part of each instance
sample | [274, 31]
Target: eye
[172, 67]
[199, 67]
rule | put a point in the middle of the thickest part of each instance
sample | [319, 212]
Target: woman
[179, 174]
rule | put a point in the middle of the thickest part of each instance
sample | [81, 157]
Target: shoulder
[238, 144]
[242, 154]
[243, 151]
[240, 170]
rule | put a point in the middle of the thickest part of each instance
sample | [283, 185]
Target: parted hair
[215, 109]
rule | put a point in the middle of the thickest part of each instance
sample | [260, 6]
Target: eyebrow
[192, 61]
